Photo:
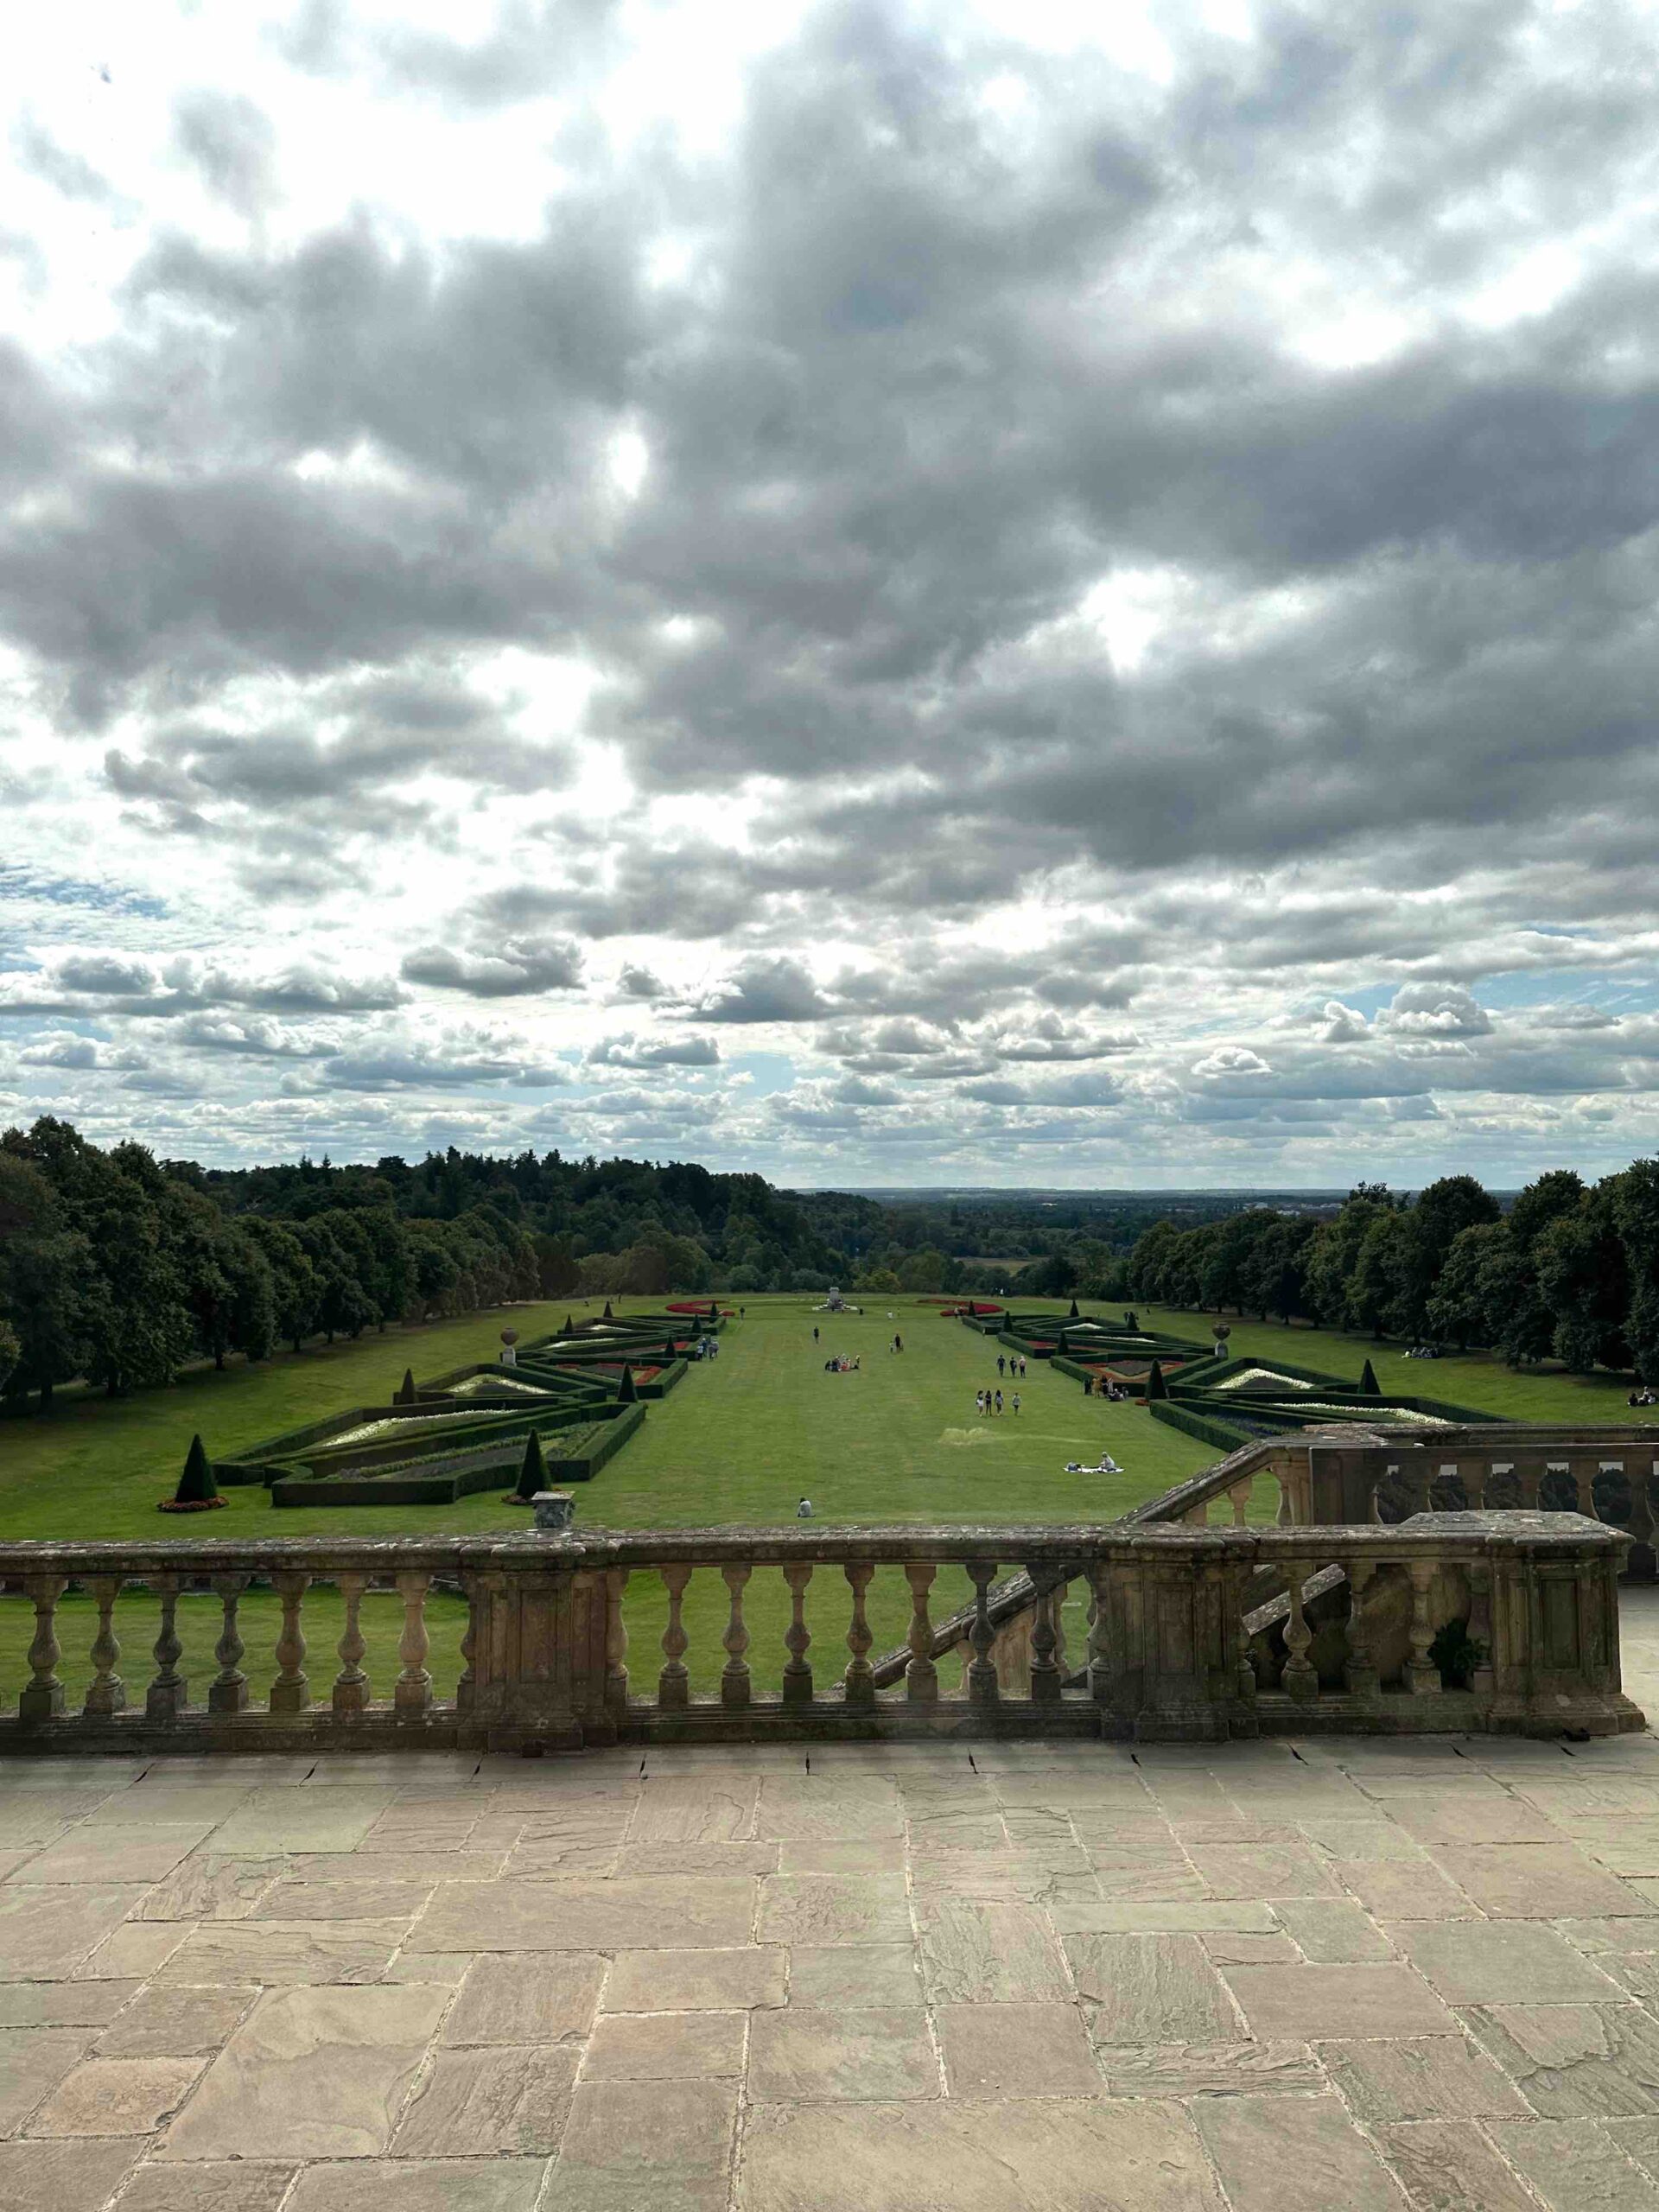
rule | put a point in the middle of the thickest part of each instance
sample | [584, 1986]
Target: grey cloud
[431, 1070]
[516, 970]
[230, 142]
[655, 1053]
[635, 983]
[65, 170]
[765, 990]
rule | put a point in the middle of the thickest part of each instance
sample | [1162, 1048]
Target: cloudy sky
[1020, 593]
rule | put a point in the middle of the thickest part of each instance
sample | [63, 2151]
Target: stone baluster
[1286, 1516]
[1300, 1678]
[1473, 1473]
[1531, 1480]
[1422, 1675]
[616, 1644]
[858, 1683]
[291, 1691]
[798, 1640]
[106, 1694]
[411, 1693]
[1100, 1657]
[735, 1676]
[164, 1701]
[1046, 1679]
[228, 1691]
[1237, 1604]
[1359, 1674]
[41, 1696]
[1640, 1563]
[673, 1682]
[1059, 1625]
[921, 1675]
[465, 1688]
[351, 1691]
[1238, 1497]
[1483, 1681]
[981, 1669]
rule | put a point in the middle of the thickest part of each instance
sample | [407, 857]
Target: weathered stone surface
[1262, 1870]
[1575, 2165]
[979, 1954]
[666, 2047]
[1448, 2166]
[665, 2144]
[116, 2096]
[1334, 2002]
[1534, 1881]
[1333, 1931]
[132, 1952]
[175, 2023]
[65, 2177]
[1502, 1962]
[62, 2004]
[585, 1914]
[89, 1854]
[843, 1855]
[1576, 2061]
[682, 1858]
[272, 1951]
[310, 1900]
[1426, 2077]
[1639, 2139]
[1624, 1847]
[1443, 1816]
[405, 2185]
[1415, 1889]
[853, 1977]
[800, 2055]
[693, 1811]
[1081, 1915]
[1156, 1872]
[832, 1908]
[1017, 2050]
[403, 1865]
[1151, 1989]
[320, 1816]
[47, 1933]
[795, 1809]
[201, 1888]
[697, 1981]
[234, 2185]
[1212, 2070]
[1037, 2155]
[505, 2100]
[311, 2074]
[1292, 2154]
[32, 2061]
[541, 1998]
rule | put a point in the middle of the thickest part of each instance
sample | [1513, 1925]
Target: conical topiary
[669, 1353]
[197, 1491]
[1064, 1348]
[1156, 1387]
[569, 1328]
[1368, 1381]
[713, 1310]
[406, 1388]
[609, 1316]
[627, 1395]
[532, 1475]
[1072, 1315]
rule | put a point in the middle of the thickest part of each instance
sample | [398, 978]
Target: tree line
[1570, 1272]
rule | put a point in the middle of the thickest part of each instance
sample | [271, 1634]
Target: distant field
[738, 1443]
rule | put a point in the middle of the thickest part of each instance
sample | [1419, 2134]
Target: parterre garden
[747, 1435]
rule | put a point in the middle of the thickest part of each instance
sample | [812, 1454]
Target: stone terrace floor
[1280, 1978]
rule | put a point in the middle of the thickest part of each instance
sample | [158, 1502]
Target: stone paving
[1274, 1977]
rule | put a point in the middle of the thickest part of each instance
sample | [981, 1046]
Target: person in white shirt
[803, 1510]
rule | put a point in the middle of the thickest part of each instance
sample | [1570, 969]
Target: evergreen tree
[197, 1490]
[532, 1472]
[1156, 1385]
[406, 1388]
[1073, 1315]
[1368, 1381]
[627, 1395]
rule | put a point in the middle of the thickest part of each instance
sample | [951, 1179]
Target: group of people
[1107, 1466]
[1642, 1397]
[1422, 1351]
[841, 1365]
[1103, 1386]
[706, 1348]
[990, 1401]
[1016, 1366]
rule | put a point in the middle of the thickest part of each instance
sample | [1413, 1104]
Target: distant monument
[837, 1304]
[509, 1338]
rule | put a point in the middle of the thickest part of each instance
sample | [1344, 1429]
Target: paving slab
[543, 1998]
[1151, 1989]
[697, 1981]
[989, 1954]
[409, 2185]
[1575, 2166]
[1320, 2003]
[1448, 2166]
[850, 1977]
[1016, 2050]
[65, 2177]
[1421, 2077]
[116, 2096]
[1292, 2154]
[46, 1934]
[798, 2055]
[32, 2061]
[1501, 1962]
[1576, 2061]
[833, 1909]
[175, 2023]
[667, 2047]
[1213, 2069]
[312, 2073]
[586, 1914]
[667, 2145]
[501, 2101]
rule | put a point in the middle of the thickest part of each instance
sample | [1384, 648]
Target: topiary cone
[532, 1475]
[197, 1489]
[569, 1328]
[627, 1395]
[1368, 1381]
[609, 1316]
[406, 1390]
[1072, 1315]
[1156, 1387]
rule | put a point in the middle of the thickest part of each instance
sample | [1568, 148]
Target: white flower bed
[417, 1425]
[1263, 1375]
[475, 1385]
[1381, 1416]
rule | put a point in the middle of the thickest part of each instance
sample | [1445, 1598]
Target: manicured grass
[1474, 1379]
[741, 1440]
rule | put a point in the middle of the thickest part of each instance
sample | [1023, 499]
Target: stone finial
[554, 1509]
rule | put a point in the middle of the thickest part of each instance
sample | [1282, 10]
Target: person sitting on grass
[803, 1510]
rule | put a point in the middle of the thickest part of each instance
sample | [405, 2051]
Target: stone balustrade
[1181, 1641]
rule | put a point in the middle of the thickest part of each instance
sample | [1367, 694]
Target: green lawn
[740, 1442]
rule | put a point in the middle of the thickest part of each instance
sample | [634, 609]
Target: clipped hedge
[1174, 1414]
[587, 1449]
